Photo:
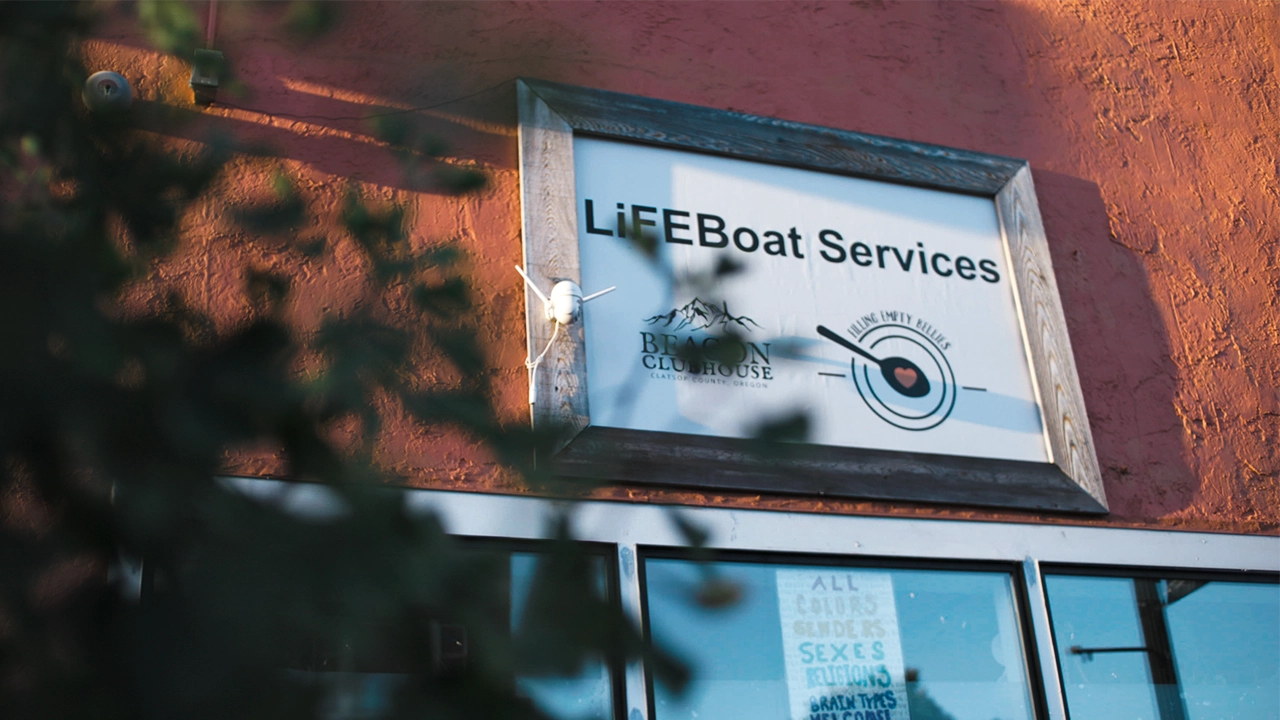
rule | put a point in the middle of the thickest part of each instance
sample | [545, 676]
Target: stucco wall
[1151, 128]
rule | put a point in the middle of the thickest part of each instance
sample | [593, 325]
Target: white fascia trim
[636, 524]
[772, 531]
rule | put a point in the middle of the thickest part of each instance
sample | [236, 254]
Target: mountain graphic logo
[701, 315]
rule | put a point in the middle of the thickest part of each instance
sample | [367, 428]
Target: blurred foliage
[419, 155]
[307, 20]
[114, 424]
[171, 26]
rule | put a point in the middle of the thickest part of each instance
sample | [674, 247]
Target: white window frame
[630, 526]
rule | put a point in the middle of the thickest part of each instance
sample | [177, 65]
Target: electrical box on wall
[206, 75]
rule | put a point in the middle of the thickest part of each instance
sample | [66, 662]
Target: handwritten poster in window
[841, 645]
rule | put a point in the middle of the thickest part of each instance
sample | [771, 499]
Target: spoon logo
[901, 374]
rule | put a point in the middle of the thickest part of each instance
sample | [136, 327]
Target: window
[354, 672]
[841, 640]
[590, 694]
[1167, 647]
[971, 605]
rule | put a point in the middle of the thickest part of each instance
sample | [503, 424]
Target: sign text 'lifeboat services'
[884, 312]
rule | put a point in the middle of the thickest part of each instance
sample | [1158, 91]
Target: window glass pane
[1226, 645]
[1101, 613]
[360, 682]
[1167, 649]
[838, 643]
[590, 694]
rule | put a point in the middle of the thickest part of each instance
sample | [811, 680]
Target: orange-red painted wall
[1152, 129]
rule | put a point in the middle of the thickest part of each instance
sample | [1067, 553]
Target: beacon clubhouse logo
[899, 368]
[704, 342]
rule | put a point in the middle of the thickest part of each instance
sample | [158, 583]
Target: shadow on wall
[349, 139]
[1122, 353]
[970, 75]
[334, 103]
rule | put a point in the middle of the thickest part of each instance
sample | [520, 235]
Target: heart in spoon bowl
[904, 377]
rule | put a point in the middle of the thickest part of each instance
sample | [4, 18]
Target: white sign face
[841, 645]
[884, 312]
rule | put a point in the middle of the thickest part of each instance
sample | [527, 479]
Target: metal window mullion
[1159, 650]
[1037, 602]
[636, 680]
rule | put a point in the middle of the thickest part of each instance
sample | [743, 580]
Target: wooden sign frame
[551, 114]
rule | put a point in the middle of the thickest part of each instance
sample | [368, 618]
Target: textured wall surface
[1151, 128]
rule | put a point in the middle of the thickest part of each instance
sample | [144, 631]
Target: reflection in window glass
[588, 695]
[365, 692]
[1101, 613]
[1167, 649]
[834, 643]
